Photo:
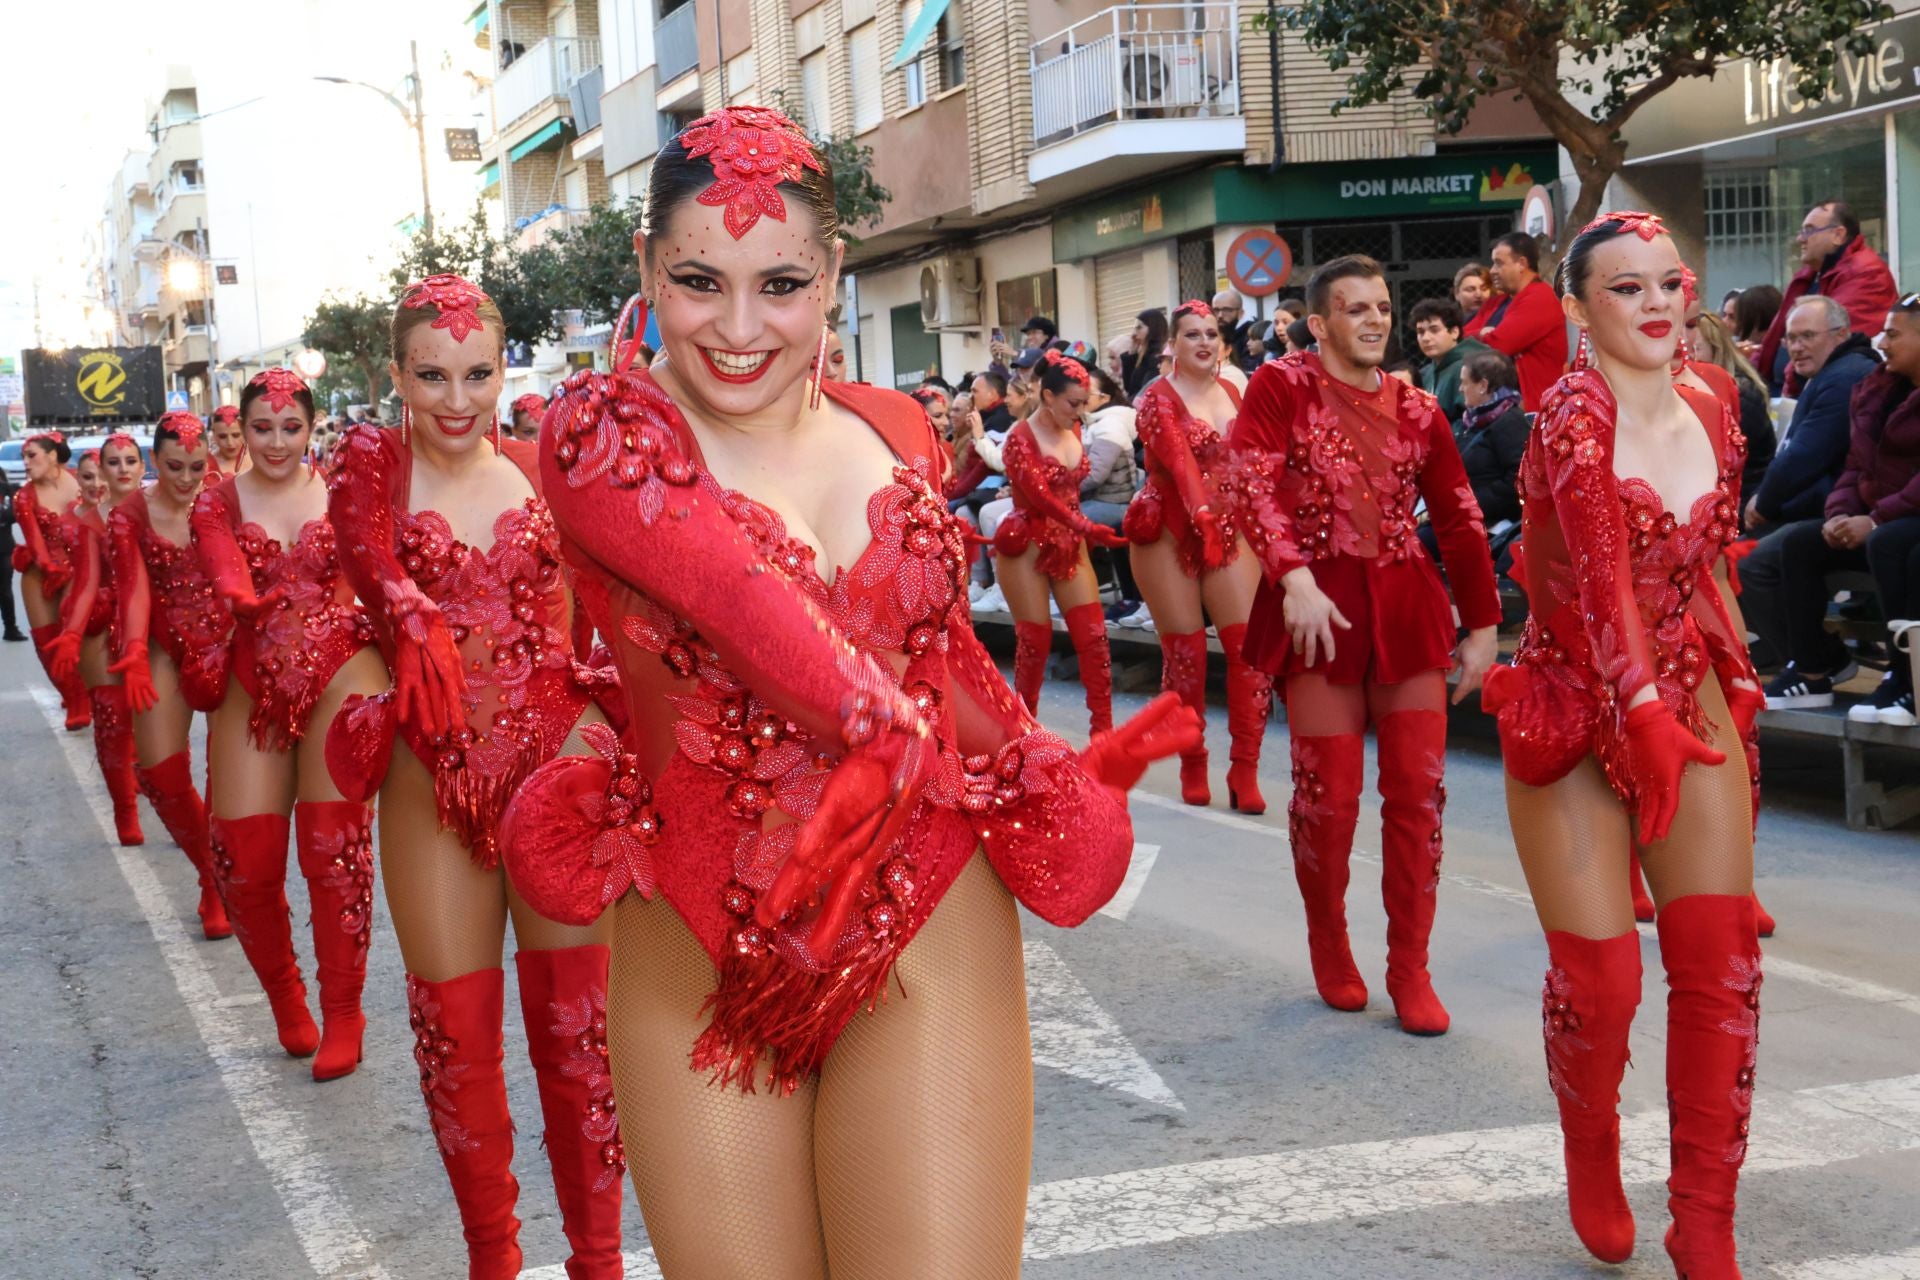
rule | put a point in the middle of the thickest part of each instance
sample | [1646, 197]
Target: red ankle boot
[168, 787]
[1320, 819]
[1712, 955]
[1087, 628]
[72, 690]
[1032, 641]
[250, 867]
[335, 839]
[1413, 800]
[1642, 900]
[456, 1031]
[1183, 670]
[1249, 698]
[1586, 1012]
[113, 748]
[563, 996]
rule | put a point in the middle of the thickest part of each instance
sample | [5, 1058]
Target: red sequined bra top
[748, 676]
[306, 624]
[508, 609]
[1046, 504]
[1189, 466]
[1620, 590]
[161, 595]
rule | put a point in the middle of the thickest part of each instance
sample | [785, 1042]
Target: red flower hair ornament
[227, 413]
[187, 427]
[1193, 307]
[280, 387]
[120, 439]
[753, 150]
[1074, 370]
[532, 402]
[51, 437]
[1644, 225]
[455, 299]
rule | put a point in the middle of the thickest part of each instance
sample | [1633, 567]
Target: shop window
[1375, 239]
[1196, 267]
[1442, 240]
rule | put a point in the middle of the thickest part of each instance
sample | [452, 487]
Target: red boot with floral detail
[1413, 800]
[1320, 819]
[1183, 670]
[1087, 628]
[168, 787]
[1586, 1012]
[335, 838]
[1249, 700]
[1032, 641]
[250, 867]
[113, 748]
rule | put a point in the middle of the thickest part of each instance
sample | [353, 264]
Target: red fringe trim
[471, 802]
[767, 1008]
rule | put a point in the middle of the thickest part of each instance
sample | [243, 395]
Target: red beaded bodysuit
[1348, 468]
[753, 681]
[48, 540]
[88, 611]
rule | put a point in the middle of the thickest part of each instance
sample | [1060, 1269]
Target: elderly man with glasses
[1835, 262]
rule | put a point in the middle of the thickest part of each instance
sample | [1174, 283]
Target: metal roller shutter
[1119, 294]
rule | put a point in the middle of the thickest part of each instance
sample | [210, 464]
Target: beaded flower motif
[753, 150]
[184, 425]
[280, 386]
[456, 299]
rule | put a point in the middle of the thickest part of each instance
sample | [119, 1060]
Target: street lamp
[185, 275]
[416, 119]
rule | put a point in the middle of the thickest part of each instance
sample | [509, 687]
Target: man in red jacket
[1528, 325]
[1836, 262]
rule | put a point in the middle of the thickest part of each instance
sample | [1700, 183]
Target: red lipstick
[1657, 328]
[456, 427]
[738, 379]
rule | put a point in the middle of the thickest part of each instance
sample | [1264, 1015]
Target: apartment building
[542, 160]
[1073, 158]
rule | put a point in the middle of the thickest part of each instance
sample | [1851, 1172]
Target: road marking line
[1777, 966]
[1073, 1034]
[1121, 906]
[1904, 1265]
[1807, 1129]
[641, 1264]
[315, 1207]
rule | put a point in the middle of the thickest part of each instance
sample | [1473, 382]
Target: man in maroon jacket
[1528, 325]
[1837, 262]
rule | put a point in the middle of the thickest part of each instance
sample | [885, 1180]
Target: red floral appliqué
[753, 150]
[280, 387]
[583, 1021]
[456, 300]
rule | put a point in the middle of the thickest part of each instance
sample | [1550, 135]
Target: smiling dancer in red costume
[1041, 546]
[1622, 722]
[170, 641]
[229, 448]
[86, 616]
[44, 557]
[300, 647]
[445, 536]
[829, 799]
[1356, 623]
[1186, 525]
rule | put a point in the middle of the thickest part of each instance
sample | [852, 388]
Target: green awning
[490, 175]
[551, 136]
[931, 11]
[479, 18]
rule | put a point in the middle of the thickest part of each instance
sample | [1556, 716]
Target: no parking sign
[1259, 262]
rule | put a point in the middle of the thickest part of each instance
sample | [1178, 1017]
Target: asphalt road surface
[1199, 1113]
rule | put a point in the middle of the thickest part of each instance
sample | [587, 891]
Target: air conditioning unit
[1167, 80]
[950, 293]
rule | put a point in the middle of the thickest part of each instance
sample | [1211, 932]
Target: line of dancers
[707, 723]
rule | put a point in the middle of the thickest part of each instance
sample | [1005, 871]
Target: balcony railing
[542, 73]
[1136, 62]
[676, 44]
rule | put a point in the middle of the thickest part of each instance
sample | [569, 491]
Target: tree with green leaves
[595, 267]
[857, 198]
[354, 331]
[524, 284]
[1585, 66]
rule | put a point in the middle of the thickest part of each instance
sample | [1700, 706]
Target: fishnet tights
[908, 1156]
[1574, 838]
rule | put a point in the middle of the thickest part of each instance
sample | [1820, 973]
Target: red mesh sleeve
[213, 526]
[1158, 422]
[1026, 476]
[89, 575]
[26, 512]
[132, 588]
[1455, 515]
[1261, 437]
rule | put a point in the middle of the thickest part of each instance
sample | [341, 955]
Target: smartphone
[999, 336]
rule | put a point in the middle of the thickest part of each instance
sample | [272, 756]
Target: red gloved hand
[54, 580]
[136, 674]
[429, 688]
[866, 803]
[1658, 753]
[1745, 706]
[1164, 727]
[1098, 535]
[1213, 547]
[251, 607]
[63, 655]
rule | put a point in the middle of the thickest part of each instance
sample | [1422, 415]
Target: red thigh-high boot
[1712, 955]
[169, 788]
[563, 996]
[335, 839]
[1762, 918]
[72, 690]
[1032, 641]
[1183, 670]
[1087, 628]
[250, 866]
[113, 748]
[1320, 818]
[1586, 1011]
[1642, 900]
[456, 1032]
[1249, 697]
[1413, 799]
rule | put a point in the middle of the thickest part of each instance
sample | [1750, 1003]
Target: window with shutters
[815, 103]
[916, 76]
[863, 69]
[952, 35]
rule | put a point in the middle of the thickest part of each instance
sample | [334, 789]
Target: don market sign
[1467, 183]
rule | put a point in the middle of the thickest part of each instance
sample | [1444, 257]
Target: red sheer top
[748, 674]
[1046, 504]
[1188, 466]
[1620, 591]
[1348, 469]
[162, 596]
[87, 608]
[47, 537]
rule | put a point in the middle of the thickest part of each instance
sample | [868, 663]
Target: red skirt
[1402, 622]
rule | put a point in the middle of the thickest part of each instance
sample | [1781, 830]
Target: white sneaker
[1900, 714]
[1137, 620]
[992, 600]
[974, 591]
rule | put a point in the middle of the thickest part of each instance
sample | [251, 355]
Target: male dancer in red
[1353, 620]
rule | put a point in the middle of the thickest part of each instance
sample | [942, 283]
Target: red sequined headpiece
[53, 437]
[118, 439]
[1067, 365]
[187, 427]
[1195, 307]
[227, 413]
[456, 299]
[279, 386]
[753, 151]
[1644, 225]
[1689, 285]
[531, 403]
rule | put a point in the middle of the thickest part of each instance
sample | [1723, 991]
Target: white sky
[74, 94]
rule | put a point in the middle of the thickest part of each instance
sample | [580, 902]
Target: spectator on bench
[1491, 435]
[1436, 327]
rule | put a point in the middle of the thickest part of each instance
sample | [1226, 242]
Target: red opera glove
[1213, 548]
[866, 803]
[428, 685]
[1659, 750]
[136, 674]
[54, 579]
[1098, 535]
[1745, 706]
[63, 655]
[22, 559]
[250, 606]
[1164, 727]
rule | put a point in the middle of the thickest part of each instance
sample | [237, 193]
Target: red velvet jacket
[1882, 475]
[1858, 281]
[1534, 332]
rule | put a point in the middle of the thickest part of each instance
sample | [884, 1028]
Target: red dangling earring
[819, 369]
[496, 431]
[1583, 353]
[406, 426]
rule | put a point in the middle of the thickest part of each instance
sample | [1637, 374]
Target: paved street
[1199, 1112]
